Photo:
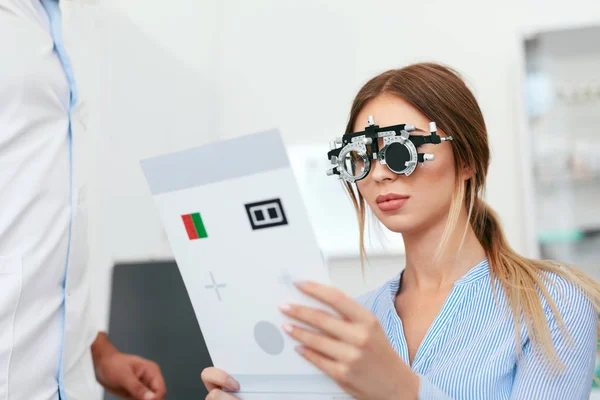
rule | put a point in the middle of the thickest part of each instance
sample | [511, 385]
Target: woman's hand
[215, 381]
[351, 348]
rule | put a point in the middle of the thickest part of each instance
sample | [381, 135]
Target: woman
[468, 318]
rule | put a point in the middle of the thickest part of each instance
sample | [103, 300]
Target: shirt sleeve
[428, 391]
[535, 380]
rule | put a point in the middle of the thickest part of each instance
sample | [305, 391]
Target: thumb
[136, 389]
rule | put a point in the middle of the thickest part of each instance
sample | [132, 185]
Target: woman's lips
[391, 201]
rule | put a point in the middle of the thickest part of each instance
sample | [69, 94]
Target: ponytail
[525, 282]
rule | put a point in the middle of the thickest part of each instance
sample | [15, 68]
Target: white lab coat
[39, 205]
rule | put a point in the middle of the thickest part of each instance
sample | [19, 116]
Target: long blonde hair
[440, 94]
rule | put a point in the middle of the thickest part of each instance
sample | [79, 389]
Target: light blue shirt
[469, 351]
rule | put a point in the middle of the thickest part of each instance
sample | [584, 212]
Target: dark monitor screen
[151, 316]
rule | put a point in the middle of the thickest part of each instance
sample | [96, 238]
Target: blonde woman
[468, 318]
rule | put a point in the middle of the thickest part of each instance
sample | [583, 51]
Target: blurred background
[161, 76]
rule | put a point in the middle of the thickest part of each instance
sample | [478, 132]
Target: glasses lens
[355, 163]
[396, 156]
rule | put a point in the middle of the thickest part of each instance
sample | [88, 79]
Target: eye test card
[241, 236]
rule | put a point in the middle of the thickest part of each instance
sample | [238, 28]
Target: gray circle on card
[268, 337]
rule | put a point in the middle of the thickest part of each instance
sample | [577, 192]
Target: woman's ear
[467, 173]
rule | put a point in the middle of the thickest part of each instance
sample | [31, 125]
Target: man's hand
[124, 375]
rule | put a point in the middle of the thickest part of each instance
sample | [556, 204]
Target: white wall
[147, 74]
[540, 14]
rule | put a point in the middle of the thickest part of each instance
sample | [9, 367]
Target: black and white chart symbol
[266, 214]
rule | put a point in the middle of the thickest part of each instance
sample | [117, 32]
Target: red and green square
[194, 226]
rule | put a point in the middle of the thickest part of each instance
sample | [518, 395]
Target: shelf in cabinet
[568, 235]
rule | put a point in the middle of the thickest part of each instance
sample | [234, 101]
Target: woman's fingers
[336, 299]
[217, 394]
[214, 378]
[327, 346]
[331, 324]
[346, 331]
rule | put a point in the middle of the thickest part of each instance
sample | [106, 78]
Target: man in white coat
[50, 349]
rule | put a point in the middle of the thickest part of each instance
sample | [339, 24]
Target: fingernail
[300, 284]
[299, 349]
[149, 396]
[232, 384]
[288, 328]
[285, 307]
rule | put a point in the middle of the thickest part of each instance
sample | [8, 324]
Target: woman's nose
[381, 172]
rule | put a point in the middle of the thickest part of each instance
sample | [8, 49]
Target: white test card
[241, 236]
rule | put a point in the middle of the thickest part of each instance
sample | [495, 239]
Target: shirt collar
[479, 271]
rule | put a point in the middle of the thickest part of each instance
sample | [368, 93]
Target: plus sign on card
[241, 236]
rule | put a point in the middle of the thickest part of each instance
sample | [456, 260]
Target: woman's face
[422, 199]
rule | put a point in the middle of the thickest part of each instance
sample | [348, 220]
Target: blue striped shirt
[469, 351]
